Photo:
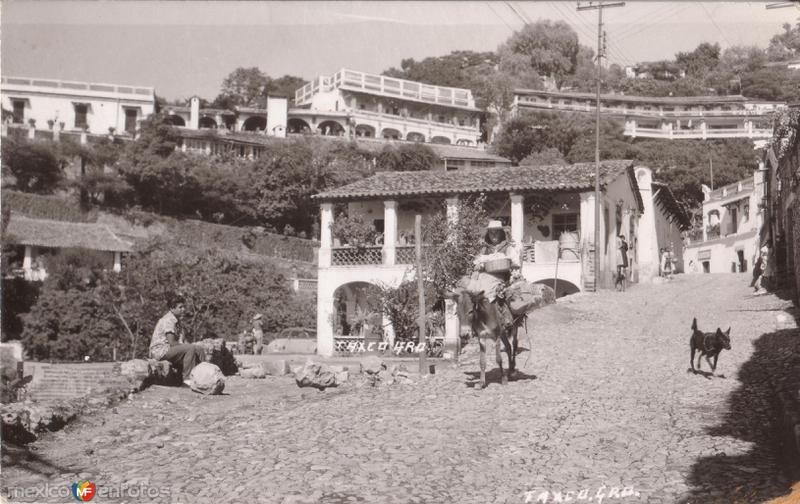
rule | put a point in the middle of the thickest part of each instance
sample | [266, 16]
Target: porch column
[28, 259]
[587, 239]
[451, 323]
[517, 218]
[389, 232]
[704, 129]
[117, 262]
[326, 237]
[648, 239]
[325, 312]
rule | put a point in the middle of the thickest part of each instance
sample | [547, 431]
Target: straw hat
[494, 224]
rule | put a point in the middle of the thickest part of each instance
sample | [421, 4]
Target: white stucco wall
[105, 109]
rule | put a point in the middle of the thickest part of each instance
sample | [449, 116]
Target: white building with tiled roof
[558, 245]
[38, 236]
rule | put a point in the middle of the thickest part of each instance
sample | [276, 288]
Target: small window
[130, 120]
[564, 223]
[454, 164]
[19, 111]
[81, 111]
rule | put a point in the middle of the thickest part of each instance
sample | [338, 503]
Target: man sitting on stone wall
[168, 341]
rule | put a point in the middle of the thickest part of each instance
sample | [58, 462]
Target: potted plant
[61, 125]
[354, 231]
[32, 122]
[50, 123]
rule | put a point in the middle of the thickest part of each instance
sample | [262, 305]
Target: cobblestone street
[605, 401]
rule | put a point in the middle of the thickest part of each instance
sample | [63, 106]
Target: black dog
[710, 344]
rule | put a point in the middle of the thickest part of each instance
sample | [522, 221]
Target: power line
[513, 9]
[715, 24]
[489, 4]
[660, 13]
[650, 25]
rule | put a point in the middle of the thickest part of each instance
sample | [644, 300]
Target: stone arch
[563, 287]
[440, 140]
[391, 134]
[207, 122]
[414, 136]
[296, 125]
[331, 128]
[174, 120]
[365, 130]
[255, 123]
[355, 310]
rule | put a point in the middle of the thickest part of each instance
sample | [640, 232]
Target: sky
[187, 48]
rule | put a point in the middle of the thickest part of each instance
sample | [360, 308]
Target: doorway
[742, 261]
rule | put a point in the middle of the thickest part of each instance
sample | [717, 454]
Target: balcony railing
[590, 107]
[413, 120]
[77, 86]
[697, 133]
[356, 256]
[389, 86]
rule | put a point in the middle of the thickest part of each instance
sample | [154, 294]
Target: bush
[81, 314]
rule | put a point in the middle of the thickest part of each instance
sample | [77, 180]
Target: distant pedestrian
[258, 333]
[622, 262]
[168, 341]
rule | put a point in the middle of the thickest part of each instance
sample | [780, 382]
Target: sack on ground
[523, 296]
[207, 379]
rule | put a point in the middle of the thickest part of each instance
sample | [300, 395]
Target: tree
[457, 69]
[743, 59]
[406, 157]
[551, 48]
[36, 166]
[699, 62]
[285, 86]
[785, 46]
[545, 157]
[244, 86]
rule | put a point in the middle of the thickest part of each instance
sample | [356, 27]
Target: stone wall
[66, 381]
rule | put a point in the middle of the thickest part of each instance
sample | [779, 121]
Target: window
[564, 223]
[19, 111]
[746, 211]
[454, 164]
[81, 111]
[734, 218]
[130, 120]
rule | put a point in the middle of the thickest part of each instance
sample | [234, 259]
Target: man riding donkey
[483, 302]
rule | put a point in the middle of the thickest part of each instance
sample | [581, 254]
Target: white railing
[413, 120]
[698, 133]
[389, 86]
[638, 111]
[77, 86]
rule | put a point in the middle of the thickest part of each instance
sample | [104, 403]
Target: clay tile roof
[574, 177]
[666, 198]
[60, 234]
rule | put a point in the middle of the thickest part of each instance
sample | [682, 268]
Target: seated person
[167, 342]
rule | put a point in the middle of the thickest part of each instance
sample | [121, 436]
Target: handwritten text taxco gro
[584, 495]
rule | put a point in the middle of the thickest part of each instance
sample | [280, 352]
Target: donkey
[481, 316]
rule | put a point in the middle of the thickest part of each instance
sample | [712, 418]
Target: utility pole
[598, 6]
[711, 169]
[782, 5]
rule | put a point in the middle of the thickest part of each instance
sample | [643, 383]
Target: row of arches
[254, 123]
[327, 128]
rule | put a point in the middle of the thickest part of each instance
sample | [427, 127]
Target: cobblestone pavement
[605, 401]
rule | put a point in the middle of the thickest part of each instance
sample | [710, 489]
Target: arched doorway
[391, 134]
[296, 125]
[255, 123]
[440, 140]
[331, 128]
[464, 141]
[357, 311]
[562, 287]
[207, 122]
[175, 120]
[365, 131]
[415, 137]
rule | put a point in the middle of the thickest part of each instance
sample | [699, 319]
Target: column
[389, 232]
[28, 259]
[32, 132]
[325, 313]
[326, 237]
[704, 129]
[452, 207]
[388, 330]
[452, 340]
[517, 218]
[117, 262]
[648, 239]
[587, 238]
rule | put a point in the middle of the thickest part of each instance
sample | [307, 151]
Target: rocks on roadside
[312, 374]
[264, 369]
[142, 373]
[217, 353]
[207, 379]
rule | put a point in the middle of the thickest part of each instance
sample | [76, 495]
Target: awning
[88, 105]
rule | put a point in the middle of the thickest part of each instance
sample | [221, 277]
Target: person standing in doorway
[622, 263]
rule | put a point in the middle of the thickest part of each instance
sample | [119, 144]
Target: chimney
[194, 113]
[277, 116]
